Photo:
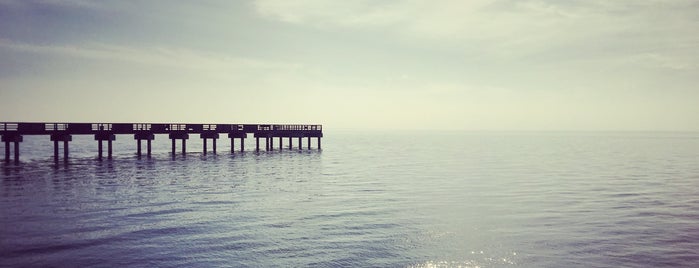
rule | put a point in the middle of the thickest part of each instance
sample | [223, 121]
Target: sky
[590, 65]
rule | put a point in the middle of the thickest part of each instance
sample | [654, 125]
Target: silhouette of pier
[14, 132]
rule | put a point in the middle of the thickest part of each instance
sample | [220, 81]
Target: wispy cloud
[156, 56]
[507, 28]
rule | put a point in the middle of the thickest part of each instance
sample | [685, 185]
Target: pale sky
[471, 65]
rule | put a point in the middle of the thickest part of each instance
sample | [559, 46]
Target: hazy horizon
[448, 65]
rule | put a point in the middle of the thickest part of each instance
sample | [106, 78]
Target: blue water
[381, 199]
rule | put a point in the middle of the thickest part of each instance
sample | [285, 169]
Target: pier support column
[271, 143]
[257, 144]
[179, 136]
[99, 149]
[109, 149]
[237, 134]
[204, 144]
[65, 138]
[309, 143]
[148, 136]
[209, 135]
[300, 144]
[16, 139]
[109, 137]
[319, 143]
[7, 151]
[55, 151]
[16, 151]
[290, 143]
[280, 144]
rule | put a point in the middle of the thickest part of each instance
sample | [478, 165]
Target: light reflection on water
[378, 199]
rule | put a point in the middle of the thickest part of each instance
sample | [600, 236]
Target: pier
[62, 133]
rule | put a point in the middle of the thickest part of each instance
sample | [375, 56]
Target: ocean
[367, 199]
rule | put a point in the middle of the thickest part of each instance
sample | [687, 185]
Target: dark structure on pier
[12, 133]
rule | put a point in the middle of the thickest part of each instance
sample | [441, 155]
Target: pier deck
[13, 132]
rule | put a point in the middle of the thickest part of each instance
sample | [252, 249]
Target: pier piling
[7, 151]
[58, 137]
[16, 151]
[209, 135]
[109, 149]
[138, 147]
[180, 135]
[15, 140]
[55, 151]
[148, 137]
[65, 150]
[104, 136]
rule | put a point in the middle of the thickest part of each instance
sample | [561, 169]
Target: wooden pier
[13, 133]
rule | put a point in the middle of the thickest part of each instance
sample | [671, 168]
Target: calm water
[469, 199]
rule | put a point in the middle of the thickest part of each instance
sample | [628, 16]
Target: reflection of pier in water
[106, 132]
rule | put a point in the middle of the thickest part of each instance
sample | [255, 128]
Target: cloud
[178, 58]
[505, 29]
[331, 13]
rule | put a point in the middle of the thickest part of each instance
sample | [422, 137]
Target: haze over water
[383, 199]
